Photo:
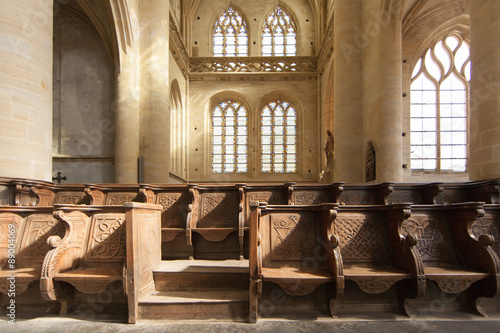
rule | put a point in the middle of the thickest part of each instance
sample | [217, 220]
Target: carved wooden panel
[107, 238]
[357, 197]
[175, 209]
[39, 227]
[302, 198]
[404, 196]
[218, 210]
[361, 238]
[292, 236]
[71, 198]
[488, 225]
[272, 198]
[118, 199]
[451, 196]
[432, 240]
[149, 242]
[5, 220]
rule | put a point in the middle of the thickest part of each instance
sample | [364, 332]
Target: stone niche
[83, 92]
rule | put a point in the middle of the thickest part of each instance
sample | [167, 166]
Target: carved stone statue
[329, 148]
[371, 163]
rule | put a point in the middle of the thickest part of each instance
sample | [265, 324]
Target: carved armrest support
[147, 195]
[337, 264]
[45, 196]
[259, 258]
[413, 263]
[97, 196]
[50, 268]
[241, 220]
[334, 241]
[486, 240]
[409, 241]
[66, 252]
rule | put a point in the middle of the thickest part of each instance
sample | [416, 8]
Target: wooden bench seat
[371, 252]
[451, 256]
[289, 246]
[90, 256]
[176, 201]
[215, 213]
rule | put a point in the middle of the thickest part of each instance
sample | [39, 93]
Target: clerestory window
[439, 107]
[230, 37]
[279, 37]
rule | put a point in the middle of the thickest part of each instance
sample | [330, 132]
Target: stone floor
[400, 325]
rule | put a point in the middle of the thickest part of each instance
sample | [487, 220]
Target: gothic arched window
[439, 107]
[279, 37]
[279, 137]
[230, 37]
[229, 138]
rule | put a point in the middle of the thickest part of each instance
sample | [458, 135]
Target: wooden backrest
[33, 226]
[477, 191]
[365, 194]
[294, 236]
[418, 194]
[218, 206]
[107, 237]
[269, 194]
[315, 194]
[97, 233]
[362, 234]
[429, 224]
[175, 202]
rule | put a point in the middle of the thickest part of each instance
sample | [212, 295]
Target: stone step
[192, 275]
[183, 305]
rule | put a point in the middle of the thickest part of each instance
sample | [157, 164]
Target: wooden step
[177, 305]
[185, 275]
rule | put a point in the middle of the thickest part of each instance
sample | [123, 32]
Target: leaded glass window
[279, 137]
[229, 138]
[279, 36]
[230, 35]
[439, 107]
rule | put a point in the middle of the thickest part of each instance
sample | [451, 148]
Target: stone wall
[83, 116]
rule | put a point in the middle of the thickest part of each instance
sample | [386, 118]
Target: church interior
[242, 160]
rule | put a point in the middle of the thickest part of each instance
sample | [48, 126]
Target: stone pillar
[484, 158]
[348, 107]
[382, 86]
[26, 89]
[155, 90]
[127, 117]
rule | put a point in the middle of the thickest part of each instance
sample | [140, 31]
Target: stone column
[348, 107]
[155, 90]
[127, 117]
[382, 86]
[26, 89]
[484, 150]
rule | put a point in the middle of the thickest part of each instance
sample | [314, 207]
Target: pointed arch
[279, 33]
[230, 34]
[439, 106]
